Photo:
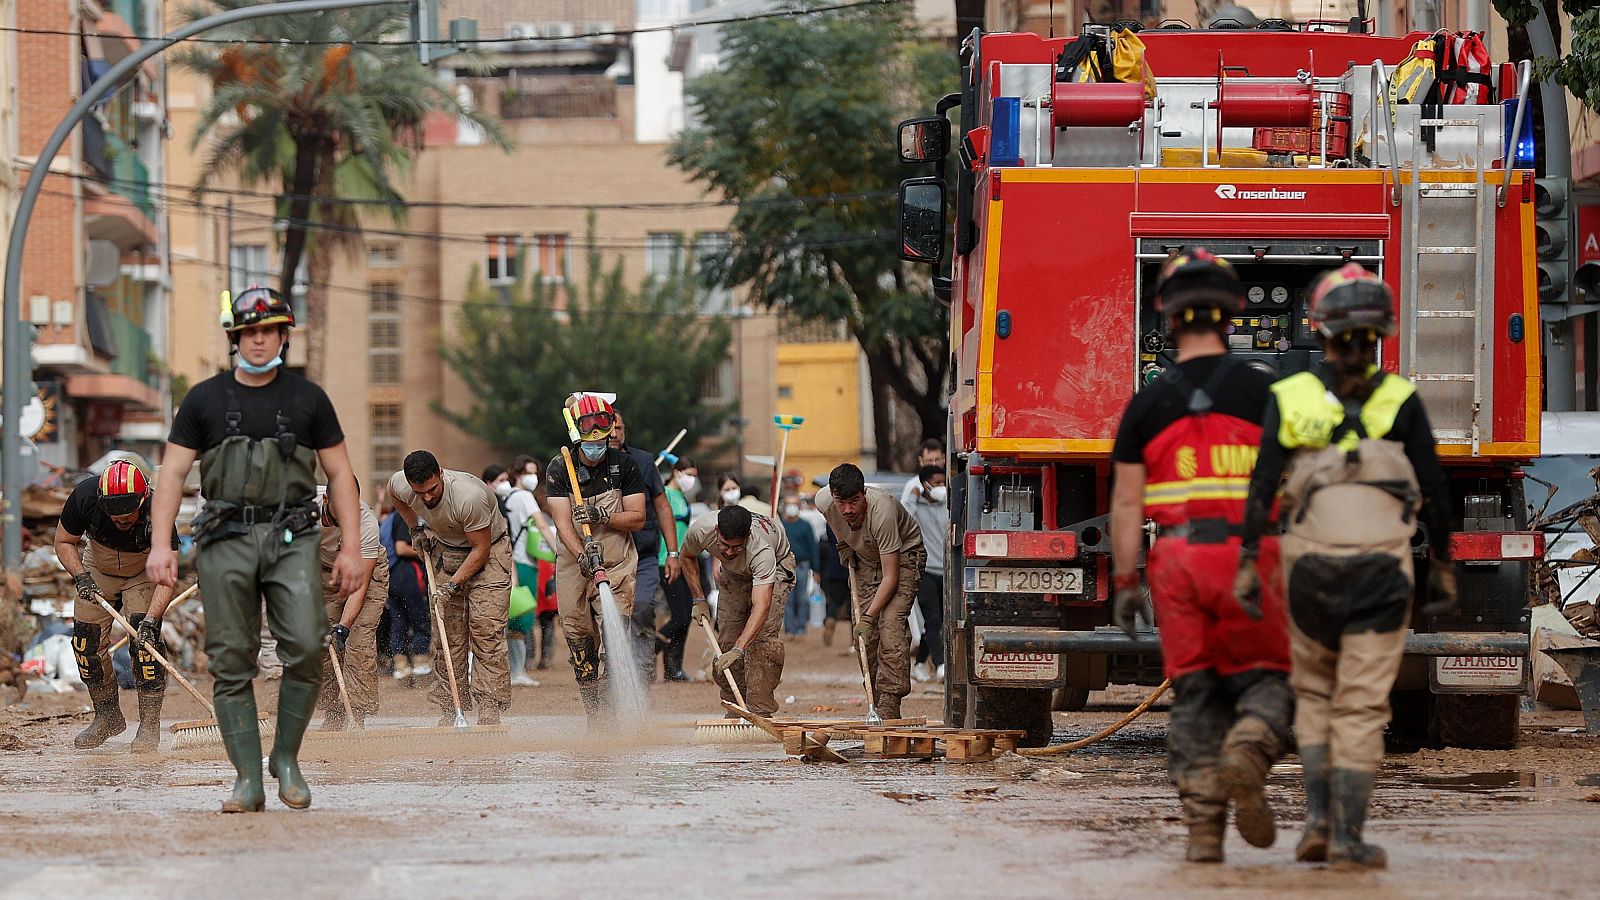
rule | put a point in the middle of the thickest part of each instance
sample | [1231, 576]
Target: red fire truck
[1279, 148]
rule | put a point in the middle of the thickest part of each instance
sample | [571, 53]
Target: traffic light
[1552, 228]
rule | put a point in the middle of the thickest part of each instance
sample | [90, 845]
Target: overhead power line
[358, 42]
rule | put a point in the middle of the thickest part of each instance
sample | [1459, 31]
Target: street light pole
[18, 382]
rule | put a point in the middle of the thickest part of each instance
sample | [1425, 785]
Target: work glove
[150, 633]
[86, 586]
[725, 662]
[1441, 588]
[422, 540]
[1247, 585]
[589, 514]
[341, 637]
[445, 590]
[700, 610]
[1130, 605]
[865, 627]
[592, 560]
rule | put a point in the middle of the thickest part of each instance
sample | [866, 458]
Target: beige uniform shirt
[467, 505]
[767, 558]
[888, 528]
[371, 546]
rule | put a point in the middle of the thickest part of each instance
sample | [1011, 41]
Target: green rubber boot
[296, 703]
[236, 719]
[1349, 792]
[1313, 846]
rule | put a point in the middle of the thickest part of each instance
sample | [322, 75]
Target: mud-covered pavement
[554, 812]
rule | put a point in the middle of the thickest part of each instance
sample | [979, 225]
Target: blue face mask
[261, 370]
[593, 451]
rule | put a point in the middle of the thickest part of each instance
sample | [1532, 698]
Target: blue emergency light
[1525, 145]
[1005, 139]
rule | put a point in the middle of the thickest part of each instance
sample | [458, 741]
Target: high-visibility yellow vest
[1308, 412]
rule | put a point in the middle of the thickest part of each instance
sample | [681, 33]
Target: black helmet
[1198, 279]
[255, 305]
[1350, 298]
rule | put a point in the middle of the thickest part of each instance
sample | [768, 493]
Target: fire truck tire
[1478, 721]
[1025, 709]
[1070, 699]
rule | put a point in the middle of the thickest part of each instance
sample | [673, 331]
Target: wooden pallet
[900, 742]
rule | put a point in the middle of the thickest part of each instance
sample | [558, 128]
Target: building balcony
[133, 356]
[587, 98]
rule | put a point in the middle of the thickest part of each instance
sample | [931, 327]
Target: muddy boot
[1205, 813]
[1349, 792]
[241, 735]
[889, 708]
[148, 738]
[334, 720]
[1313, 846]
[296, 702]
[827, 631]
[1247, 755]
[108, 721]
[488, 713]
[672, 661]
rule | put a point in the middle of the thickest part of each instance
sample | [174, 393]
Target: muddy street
[552, 811]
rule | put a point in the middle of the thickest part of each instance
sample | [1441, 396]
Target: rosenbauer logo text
[1231, 192]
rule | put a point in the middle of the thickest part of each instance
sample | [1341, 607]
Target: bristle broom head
[207, 733]
[733, 731]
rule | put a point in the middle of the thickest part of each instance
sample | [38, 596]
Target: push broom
[728, 731]
[200, 732]
[787, 424]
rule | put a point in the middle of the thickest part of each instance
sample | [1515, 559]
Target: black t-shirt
[82, 515]
[646, 538]
[616, 470]
[1242, 393]
[202, 421]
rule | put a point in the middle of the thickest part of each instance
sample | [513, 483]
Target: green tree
[522, 350]
[807, 106]
[322, 123]
[1579, 70]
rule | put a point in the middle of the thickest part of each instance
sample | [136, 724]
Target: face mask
[791, 510]
[261, 370]
[937, 494]
[530, 482]
[687, 483]
[502, 489]
[731, 495]
[593, 451]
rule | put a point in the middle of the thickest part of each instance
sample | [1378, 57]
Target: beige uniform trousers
[359, 661]
[121, 579]
[761, 669]
[475, 622]
[889, 650]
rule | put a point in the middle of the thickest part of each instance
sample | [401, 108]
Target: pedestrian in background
[544, 561]
[685, 475]
[410, 627]
[803, 541]
[658, 532]
[930, 506]
[529, 531]
[930, 454]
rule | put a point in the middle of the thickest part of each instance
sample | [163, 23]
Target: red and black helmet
[122, 488]
[1198, 279]
[1350, 298]
[255, 305]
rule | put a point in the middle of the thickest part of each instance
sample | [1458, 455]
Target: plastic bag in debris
[51, 662]
[41, 561]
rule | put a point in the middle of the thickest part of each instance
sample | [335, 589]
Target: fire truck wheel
[1478, 721]
[1070, 699]
[1025, 709]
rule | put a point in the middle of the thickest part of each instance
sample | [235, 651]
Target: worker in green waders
[259, 432]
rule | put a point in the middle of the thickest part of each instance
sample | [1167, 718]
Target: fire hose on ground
[1103, 733]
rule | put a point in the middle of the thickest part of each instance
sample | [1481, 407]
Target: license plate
[1478, 671]
[1018, 666]
[1024, 580]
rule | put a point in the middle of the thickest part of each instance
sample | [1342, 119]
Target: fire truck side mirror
[925, 139]
[921, 226]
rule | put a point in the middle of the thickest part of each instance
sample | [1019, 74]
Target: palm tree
[323, 123]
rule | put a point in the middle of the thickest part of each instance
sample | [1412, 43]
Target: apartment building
[95, 272]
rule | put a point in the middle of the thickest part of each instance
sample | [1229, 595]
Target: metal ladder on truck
[1418, 194]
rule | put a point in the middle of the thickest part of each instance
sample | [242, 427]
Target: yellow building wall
[822, 382]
